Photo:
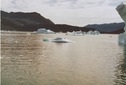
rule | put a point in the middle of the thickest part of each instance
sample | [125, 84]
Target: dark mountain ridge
[107, 27]
[23, 21]
[20, 21]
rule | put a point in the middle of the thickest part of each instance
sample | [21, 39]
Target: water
[92, 60]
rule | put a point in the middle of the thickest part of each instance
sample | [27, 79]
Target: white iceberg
[78, 33]
[61, 40]
[44, 31]
[122, 12]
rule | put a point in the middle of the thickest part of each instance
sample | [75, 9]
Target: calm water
[92, 60]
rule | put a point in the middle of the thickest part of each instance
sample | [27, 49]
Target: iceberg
[96, 32]
[44, 31]
[122, 12]
[61, 40]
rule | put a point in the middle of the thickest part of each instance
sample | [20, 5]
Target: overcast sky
[73, 12]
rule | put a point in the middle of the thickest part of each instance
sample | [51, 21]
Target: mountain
[20, 21]
[32, 21]
[66, 28]
[23, 21]
[113, 28]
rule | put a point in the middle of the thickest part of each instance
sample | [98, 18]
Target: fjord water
[92, 60]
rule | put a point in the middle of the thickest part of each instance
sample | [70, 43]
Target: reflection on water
[121, 69]
[93, 60]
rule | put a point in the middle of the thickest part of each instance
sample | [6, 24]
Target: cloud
[77, 4]
[66, 11]
[81, 4]
[56, 4]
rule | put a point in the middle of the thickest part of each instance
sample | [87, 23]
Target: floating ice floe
[80, 33]
[61, 40]
[58, 40]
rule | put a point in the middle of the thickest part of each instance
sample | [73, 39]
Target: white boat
[61, 40]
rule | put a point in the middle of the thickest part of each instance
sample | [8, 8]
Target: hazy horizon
[71, 12]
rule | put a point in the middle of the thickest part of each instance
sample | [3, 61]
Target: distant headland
[19, 21]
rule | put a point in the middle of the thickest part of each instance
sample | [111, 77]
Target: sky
[72, 12]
